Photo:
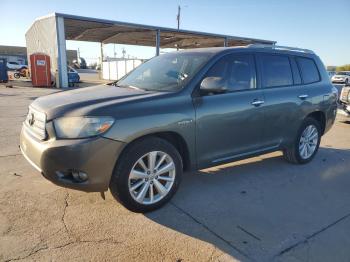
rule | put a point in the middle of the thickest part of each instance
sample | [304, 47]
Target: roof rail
[278, 47]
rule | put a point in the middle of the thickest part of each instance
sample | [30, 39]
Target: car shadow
[257, 209]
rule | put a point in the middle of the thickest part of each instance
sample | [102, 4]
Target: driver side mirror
[213, 85]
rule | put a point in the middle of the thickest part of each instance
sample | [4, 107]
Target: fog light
[79, 176]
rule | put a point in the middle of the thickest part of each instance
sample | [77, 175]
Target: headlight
[81, 127]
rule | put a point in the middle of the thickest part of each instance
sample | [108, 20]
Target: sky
[322, 26]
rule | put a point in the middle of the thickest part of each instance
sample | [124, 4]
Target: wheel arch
[320, 117]
[173, 138]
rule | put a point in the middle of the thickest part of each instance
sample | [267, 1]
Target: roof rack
[278, 47]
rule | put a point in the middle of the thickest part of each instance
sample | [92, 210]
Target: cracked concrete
[260, 209]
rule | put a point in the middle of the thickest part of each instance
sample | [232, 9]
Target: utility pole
[124, 53]
[178, 17]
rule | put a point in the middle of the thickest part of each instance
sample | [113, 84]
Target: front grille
[35, 123]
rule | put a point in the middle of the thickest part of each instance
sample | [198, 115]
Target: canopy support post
[225, 42]
[157, 42]
[101, 53]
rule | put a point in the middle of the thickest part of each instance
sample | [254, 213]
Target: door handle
[303, 97]
[257, 102]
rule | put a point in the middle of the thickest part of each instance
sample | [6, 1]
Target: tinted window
[296, 72]
[308, 70]
[237, 70]
[276, 71]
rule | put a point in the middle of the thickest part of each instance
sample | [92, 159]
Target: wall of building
[19, 54]
[42, 38]
[46, 36]
[22, 60]
[14, 54]
[114, 70]
[71, 55]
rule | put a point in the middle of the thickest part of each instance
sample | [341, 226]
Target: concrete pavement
[260, 209]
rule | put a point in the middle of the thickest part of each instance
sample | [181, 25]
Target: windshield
[342, 73]
[167, 72]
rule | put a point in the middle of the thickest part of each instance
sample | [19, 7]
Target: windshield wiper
[134, 87]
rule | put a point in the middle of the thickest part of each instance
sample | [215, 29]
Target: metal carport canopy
[107, 31]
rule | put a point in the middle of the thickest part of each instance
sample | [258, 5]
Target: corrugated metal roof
[108, 31]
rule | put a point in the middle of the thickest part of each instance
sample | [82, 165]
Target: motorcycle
[22, 72]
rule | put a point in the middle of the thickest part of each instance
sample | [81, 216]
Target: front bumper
[344, 110]
[94, 156]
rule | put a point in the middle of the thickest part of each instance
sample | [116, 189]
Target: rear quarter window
[276, 71]
[308, 69]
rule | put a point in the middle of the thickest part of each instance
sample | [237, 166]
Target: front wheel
[147, 175]
[16, 75]
[306, 143]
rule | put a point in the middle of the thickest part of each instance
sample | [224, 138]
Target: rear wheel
[306, 143]
[347, 82]
[147, 175]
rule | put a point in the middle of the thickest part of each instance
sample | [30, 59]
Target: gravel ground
[260, 209]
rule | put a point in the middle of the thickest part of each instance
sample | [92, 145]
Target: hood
[85, 99]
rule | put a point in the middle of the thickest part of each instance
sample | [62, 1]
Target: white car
[15, 66]
[342, 77]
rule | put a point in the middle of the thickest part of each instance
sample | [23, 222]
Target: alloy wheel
[308, 142]
[152, 177]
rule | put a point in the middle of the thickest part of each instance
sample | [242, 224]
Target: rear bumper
[54, 159]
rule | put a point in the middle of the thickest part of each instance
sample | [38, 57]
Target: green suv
[177, 112]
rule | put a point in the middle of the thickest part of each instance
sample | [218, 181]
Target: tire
[347, 82]
[293, 153]
[16, 75]
[122, 181]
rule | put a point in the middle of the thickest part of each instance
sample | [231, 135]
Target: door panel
[227, 125]
[283, 114]
[284, 98]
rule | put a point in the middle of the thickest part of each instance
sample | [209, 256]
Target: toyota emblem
[31, 120]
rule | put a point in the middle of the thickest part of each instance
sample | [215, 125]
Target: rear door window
[296, 71]
[276, 71]
[309, 71]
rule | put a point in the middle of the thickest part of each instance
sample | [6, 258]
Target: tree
[343, 68]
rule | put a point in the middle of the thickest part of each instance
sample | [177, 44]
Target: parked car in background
[73, 76]
[15, 66]
[79, 64]
[331, 74]
[344, 101]
[177, 112]
[342, 77]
